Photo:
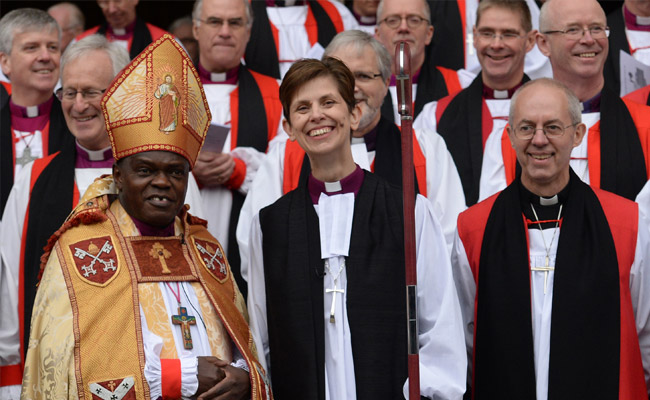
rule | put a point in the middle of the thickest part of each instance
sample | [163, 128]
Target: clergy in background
[243, 103]
[630, 32]
[503, 35]
[410, 20]
[552, 274]
[124, 26]
[327, 290]
[615, 154]
[286, 31]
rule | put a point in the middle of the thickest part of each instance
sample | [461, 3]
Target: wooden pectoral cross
[545, 269]
[334, 291]
[184, 321]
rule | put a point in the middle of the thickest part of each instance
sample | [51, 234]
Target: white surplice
[541, 302]
[442, 356]
[293, 42]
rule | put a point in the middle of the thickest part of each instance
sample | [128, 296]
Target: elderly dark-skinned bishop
[132, 274]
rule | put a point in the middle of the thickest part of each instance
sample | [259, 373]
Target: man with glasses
[376, 146]
[551, 273]
[452, 45]
[124, 27]
[48, 189]
[242, 101]
[503, 36]
[630, 32]
[410, 20]
[615, 153]
[70, 19]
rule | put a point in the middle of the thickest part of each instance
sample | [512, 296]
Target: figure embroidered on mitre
[169, 97]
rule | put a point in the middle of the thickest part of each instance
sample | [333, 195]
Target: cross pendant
[184, 321]
[546, 269]
[26, 158]
[334, 291]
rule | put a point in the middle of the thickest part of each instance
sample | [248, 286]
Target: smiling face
[33, 65]
[221, 48]
[320, 120]
[575, 60]
[368, 94]
[84, 116]
[502, 59]
[544, 162]
[417, 38]
[152, 186]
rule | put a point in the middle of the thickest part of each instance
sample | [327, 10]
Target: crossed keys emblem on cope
[212, 256]
[94, 253]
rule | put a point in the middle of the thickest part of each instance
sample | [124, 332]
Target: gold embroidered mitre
[157, 103]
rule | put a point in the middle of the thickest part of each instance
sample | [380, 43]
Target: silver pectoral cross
[26, 157]
[546, 269]
[334, 291]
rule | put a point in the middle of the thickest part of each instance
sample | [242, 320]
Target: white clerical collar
[642, 20]
[217, 76]
[501, 94]
[119, 31]
[548, 201]
[333, 186]
[32, 111]
[94, 155]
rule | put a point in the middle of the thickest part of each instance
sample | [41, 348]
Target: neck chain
[546, 268]
[334, 290]
[176, 295]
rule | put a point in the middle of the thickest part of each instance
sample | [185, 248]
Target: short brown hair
[518, 6]
[309, 69]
